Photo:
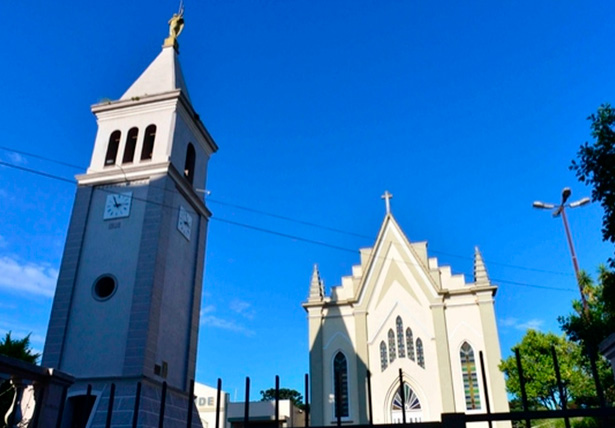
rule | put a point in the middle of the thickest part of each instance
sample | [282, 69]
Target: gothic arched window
[392, 352]
[470, 379]
[131, 145]
[401, 349]
[410, 343]
[420, 357]
[384, 360]
[411, 406]
[114, 144]
[189, 164]
[148, 143]
[340, 384]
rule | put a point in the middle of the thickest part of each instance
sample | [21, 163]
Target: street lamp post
[561, 210]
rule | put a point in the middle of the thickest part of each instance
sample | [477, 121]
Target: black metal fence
[15, 370]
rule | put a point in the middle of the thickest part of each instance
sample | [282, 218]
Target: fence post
[562, 395]
[135, 412]
[482, 369]
[277, 401]
[306, 401]
[110, 406]
[163, 401]
[246, 409]
[522, 385]
[402, 394]
[218, 403]
[369, 397]
[62, 405]
[190, 404]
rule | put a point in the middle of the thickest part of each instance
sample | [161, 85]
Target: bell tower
[126, 307]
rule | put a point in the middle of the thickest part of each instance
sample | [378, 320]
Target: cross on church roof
[387, 196]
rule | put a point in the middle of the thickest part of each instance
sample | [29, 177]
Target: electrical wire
[294, 220]
[265, 230]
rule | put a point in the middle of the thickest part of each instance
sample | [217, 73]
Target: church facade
[400, 314]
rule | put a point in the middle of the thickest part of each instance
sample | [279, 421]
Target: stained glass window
[340, 376]
[420, 358]
[410, 343]
[391, 346]
[384, 361]
[411, 401]
[401, 349]
[470, 379]
[411, 406]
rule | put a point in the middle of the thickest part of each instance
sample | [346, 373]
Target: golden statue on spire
[176, 25]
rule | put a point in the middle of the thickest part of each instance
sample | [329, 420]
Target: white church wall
[383, 317]
[338, 336]
[464, 325]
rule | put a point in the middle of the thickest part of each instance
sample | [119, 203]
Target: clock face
[184, 222]
[118, 205]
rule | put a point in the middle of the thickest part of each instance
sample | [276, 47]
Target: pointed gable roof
[164, 74]
[390, 234]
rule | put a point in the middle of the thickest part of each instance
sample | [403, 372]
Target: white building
[206, 400]
[400, 310]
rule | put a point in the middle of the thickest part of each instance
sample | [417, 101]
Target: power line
[303, 222]
[306, 223]
[42, 158]
[41, 173]
[286, 235]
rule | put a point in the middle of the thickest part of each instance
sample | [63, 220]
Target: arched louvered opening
[148, 143]
[189, 164]
[131, 145]
[112, 148]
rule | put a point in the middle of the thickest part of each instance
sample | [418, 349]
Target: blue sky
[466, 112]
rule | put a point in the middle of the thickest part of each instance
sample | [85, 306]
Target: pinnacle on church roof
[164, 74]
[480, 271]
[317, 291]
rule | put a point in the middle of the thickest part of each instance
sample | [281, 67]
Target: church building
[125, 315]
[401, 315]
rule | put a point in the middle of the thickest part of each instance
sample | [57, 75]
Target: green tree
[595, 166]
[22, 350]
[284, 394]
[539, 373]
[589, 327]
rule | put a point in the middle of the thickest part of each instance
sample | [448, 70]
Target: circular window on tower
[104, 287]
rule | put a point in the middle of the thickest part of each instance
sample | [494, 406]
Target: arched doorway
[414, 413]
